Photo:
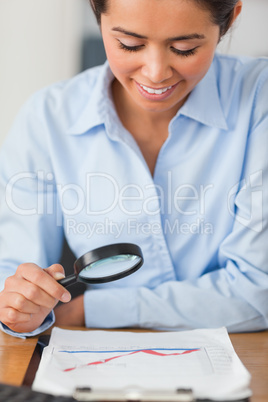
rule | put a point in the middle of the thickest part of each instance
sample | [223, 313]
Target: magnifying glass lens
[106, 264]
[110, 266]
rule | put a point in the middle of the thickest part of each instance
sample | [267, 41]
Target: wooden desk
[15, 356]
[252, 349]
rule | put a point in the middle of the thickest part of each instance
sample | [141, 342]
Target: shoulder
[240, 64]
[52, 110]
[48, 113]
[242, 85]
[65, 97]
[241, 71]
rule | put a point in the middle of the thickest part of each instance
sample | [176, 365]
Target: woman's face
[158, 50]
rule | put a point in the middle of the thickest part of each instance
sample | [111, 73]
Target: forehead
[157, 16]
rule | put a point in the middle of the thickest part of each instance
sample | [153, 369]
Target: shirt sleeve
[30, 218]
[48, 322]
[236, 294]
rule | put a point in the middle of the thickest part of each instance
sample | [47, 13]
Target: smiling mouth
[158, 91]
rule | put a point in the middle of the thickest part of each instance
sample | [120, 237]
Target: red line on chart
[149, 352]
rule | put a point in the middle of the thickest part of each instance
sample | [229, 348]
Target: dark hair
[221, 11]
[99, 7]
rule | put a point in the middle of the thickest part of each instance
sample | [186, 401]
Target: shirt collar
[203, 104]
[95, 110]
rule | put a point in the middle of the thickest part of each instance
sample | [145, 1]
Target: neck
[149, 129]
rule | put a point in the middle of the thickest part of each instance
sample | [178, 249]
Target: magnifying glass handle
[69, 280]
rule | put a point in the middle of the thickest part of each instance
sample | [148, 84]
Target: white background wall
[250, 34]
[40, 43]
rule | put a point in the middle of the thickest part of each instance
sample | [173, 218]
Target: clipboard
[138, 395]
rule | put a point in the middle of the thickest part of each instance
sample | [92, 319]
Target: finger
[20, 303]
[33, 293]
[10, 316]
[56, 271]
[39, 277]
[28, 290]
[18, 284]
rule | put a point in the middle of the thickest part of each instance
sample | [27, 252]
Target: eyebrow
[174, 39]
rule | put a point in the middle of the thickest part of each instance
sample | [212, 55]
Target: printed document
[203, 360]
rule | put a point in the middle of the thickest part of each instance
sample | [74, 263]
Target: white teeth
[155, 91]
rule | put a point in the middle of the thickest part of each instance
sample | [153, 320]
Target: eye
[185, 53]
[129, 48]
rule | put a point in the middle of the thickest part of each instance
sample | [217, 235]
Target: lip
[156, 97]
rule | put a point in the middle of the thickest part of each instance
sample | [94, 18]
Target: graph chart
[123, 354]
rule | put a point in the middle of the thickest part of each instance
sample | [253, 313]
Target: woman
[164, 146]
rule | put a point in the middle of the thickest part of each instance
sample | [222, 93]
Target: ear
[237, 11]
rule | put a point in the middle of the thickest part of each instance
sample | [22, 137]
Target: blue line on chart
[122, 351]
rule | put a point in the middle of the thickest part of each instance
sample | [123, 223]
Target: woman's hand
[29, 296]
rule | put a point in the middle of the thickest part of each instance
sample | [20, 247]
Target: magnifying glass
[106, 264]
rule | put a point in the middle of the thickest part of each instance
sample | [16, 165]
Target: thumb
[56, 271]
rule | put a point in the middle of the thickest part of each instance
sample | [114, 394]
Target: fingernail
[66, 297]
[58, 276]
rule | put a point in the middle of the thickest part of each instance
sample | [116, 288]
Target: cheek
[197, 66]
[122, 68]
[121, 63]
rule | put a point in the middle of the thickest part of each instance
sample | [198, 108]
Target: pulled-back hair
[221, 11]
[99, 7]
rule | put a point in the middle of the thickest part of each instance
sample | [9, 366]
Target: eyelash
[184, 53]
[129, 48]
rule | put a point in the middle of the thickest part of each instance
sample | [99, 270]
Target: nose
[156, 67]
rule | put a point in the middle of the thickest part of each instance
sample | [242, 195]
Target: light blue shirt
[70, 167]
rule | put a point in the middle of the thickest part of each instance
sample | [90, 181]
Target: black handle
[69, 280]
